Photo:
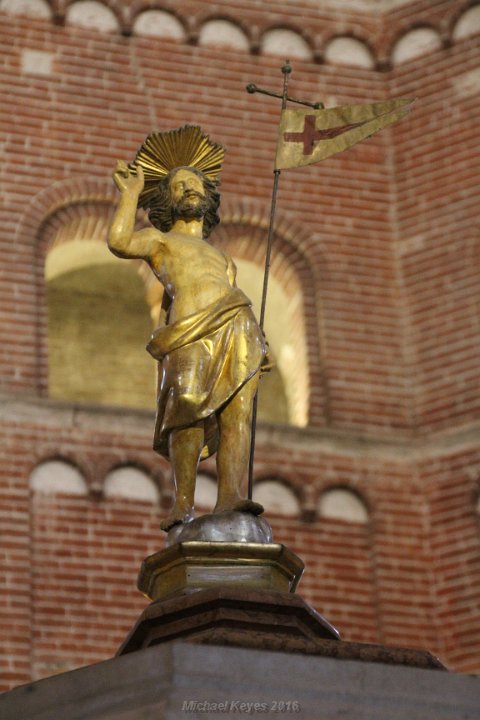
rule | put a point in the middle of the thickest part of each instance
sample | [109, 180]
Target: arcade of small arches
[348, 49]
[130, 483]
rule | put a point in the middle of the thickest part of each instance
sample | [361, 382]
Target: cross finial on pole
[251, 88]
[309, 136]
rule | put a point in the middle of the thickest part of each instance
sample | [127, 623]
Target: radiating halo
[162, 152]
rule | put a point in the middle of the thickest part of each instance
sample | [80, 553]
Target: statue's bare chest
[190, 259]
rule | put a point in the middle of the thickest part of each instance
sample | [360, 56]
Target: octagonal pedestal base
[241, 595]
[233, 593]
[191, 566]
[232, 616]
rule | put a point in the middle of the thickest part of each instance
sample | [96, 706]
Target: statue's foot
[248, 506]
[178, 516]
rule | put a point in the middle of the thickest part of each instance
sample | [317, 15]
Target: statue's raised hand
[126, 181]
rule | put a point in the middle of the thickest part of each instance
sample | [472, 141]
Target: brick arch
[190, 23]
[32, 12]
[405, 29]
[35, 230]
[457, 15]
[94, 469]
[117, 7]
[351, 35]
[89, 218]
[295, 31]
[270, 490]
[126, 14]
[290, 259]
[291, 482]
[347, 488]
[85, 205]
[59, 195]
[143, 475]
[50, 453]
[77, 221]
[57, 8]
[355, 483]
[141, 6]
[204, 18]
[136, 7]
[267, 25]
[240, 209]
[159, 475]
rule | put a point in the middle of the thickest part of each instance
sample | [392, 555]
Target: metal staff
[252, 88]
[335, 130]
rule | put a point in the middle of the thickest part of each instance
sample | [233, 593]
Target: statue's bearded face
[187, 193]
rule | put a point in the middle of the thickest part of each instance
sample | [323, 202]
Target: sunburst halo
[161, 152]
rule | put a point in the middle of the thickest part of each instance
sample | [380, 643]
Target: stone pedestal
[231, 593]
[232, 616]
[239, 594]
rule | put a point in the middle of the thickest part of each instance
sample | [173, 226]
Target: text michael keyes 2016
[241, 707]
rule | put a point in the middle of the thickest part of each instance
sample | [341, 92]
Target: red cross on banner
[308, 136]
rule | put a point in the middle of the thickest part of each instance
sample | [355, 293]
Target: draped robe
[204, 359]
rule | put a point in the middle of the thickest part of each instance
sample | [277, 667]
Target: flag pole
[286, 70]
[340, 129]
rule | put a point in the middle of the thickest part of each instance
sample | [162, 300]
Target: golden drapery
[204, 359]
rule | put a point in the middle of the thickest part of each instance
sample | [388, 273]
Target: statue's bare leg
[234, 422]
[185, 446]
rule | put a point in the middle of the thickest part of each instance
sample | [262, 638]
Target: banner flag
[309, 136]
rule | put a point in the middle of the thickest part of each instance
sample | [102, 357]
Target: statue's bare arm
[122, 239]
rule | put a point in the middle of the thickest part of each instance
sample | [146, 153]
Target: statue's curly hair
[160, 209]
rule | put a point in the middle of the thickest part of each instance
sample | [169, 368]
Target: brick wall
[385, 241]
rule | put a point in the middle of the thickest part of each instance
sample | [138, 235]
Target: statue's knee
[237, 429]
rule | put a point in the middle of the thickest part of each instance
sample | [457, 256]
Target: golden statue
[211, 351]
[209, 346]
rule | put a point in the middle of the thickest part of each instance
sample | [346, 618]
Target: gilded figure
[209, 347]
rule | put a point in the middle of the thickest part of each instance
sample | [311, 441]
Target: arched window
[342, 504]
[468, 23]
[414, 44]
[349, 51]
[286, 43]
[92, 15]
[53, 477]
[276, 497]
[223, 33]
[158, 23]
[30, 8]
[130, 483]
